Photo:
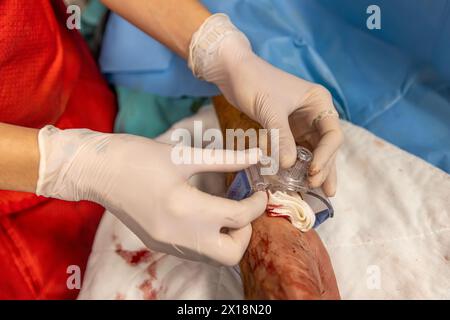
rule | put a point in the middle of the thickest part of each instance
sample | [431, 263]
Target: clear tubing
[295, 178]
[257, 182]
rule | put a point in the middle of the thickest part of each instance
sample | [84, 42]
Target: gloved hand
[137, 180]
[302, 111]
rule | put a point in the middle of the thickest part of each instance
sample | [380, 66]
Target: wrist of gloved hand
[218, 53]
[64, 172]
[216, 47]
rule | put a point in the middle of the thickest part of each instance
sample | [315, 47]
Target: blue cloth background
[395, 81]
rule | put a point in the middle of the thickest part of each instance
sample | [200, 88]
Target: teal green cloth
[91, 22]
[150, 115]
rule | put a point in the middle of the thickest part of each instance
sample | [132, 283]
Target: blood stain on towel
[134, 257]
[149, 293]
[151, 270]
[148, 286]
[120, 296]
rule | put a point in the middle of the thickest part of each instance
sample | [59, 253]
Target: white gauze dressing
[293, 207]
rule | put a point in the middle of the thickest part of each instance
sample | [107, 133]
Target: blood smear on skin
[134, 257]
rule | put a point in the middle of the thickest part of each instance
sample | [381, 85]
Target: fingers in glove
[223, 212]
[330, 183]
[287, 148]
[229, 222]
[247, 210]
[319, 178]
[231, 246]
[331, 138]
[218, 160]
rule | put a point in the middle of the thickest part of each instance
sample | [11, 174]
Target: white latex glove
[302, 111]
[136, 179]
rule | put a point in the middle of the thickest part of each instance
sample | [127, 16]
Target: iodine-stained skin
[283, 263]
[280, 262]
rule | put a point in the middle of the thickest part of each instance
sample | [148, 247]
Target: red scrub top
[47, 76]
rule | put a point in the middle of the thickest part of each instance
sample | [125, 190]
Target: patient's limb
[280, 262]
[284, 263]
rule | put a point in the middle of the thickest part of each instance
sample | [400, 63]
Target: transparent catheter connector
[256, 181]
[293, 179]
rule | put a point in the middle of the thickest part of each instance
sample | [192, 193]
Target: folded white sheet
[389, 239]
